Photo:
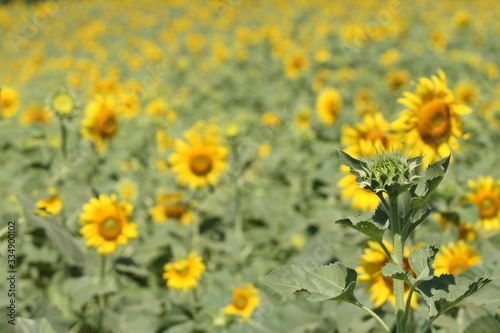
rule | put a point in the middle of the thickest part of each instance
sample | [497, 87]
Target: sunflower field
[161, 160]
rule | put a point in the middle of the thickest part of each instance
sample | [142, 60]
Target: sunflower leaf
[56, 232]
[329, 282]
[443, 292]
[430, 181]
[393, 271]
[366, 226]
[355, 166]
[421, 261]
[417, 216]
[483, 324]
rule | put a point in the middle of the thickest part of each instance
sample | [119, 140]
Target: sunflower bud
[63, 103]
[391, 172]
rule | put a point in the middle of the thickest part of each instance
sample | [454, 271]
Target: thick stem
[399, 286]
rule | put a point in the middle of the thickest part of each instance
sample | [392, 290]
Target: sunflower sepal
[333, 282]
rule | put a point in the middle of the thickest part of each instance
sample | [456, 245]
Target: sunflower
[295, 64]
[170, 206]
[35, 114]
[243, 302]
[328, 106]
[100, 122]
[364, 139]
[128, 105]
[486, 196]
[466, 231]
[184, 273]
[466, 93]
[372, 262]
[106, 223]
[62, 103]
[51, 205]
[303, 119]
[431, 125]
[202, 159]
[397, 78]
[270, 119]
[9, 101]
[455, 258]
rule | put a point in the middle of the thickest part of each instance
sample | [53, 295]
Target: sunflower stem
[398, 260]
[102, 296]
[373, 314]
[64, 139]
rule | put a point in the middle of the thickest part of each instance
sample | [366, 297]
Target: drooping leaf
[57, 233]
[366, 226]
[330, 282]
[421, 261]
[483, 324]
[444, 292]
[430, 180]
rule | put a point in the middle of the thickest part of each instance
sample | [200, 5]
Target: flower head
[9, 102]
[100, 122]
[171, 206]
[106, 223]
[243, 302]
[455, 258]
[184, 273]
[486, 196]
[51, 205]
[328, 106]
[62, 103]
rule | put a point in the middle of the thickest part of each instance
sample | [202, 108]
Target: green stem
[387, 252]
[428, 324]
[373, 314]
[102, 297]
[404, 320]
[236, 219]
[64, 139]
[399, 286]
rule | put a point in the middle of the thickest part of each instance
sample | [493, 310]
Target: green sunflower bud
[391, 172]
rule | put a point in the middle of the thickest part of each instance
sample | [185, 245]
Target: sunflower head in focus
[105, 223]
[51, 205]
[184, 273]
[100, 122]
[381, 287]
[485, 196]
[455, 258]
[9, 102]
[243, 302]
[431, 125]
[201, 160]
[328, 106]
[171, 206]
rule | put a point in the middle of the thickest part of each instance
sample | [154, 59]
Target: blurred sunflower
[466, 231]
[9, 102]
[35, 114]
[364, 139]
[243, 302]
[201, 160]
[184, 273]
[128, 105]
[455, 258]
[270, 119]
[381, 287]
[466, 92]
[328, 106]
[431, 125]
[486, 196]
[170, 206]
[295, 64]
[62, 103]
[51, 205]
[303, 119]
[106, 223]
[100, 122]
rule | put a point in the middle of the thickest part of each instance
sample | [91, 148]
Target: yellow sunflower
[486, 196]
[199, 161]
[270, 119]
[381, 287]
[170, 206]
[303, 119]
[244, 301]
[184, 273]
[100, 122]
[295, 64]
[455, 258]
[9, 102]
[62, 103]
[51, 205]
[328, 106]
[129, 105]
[431, 125]
[106, 223]
[364, 139]
[35, 114]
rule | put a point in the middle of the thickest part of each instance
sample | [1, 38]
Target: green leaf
[355, 166]
[366, 226]
[417, 215]
[483, 324]
[393, 271]
[380, 217]
[430, 181]
[330, 282]
[444, 292]
[56, 232]
[421, 261]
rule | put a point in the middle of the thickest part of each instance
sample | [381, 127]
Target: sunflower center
[106, 126]
[458, 265]
[434, 124]
[175, 211]
[110, 228]
[6, 103]
[200, 165]
[297, 63]
[374, 136]
[488, 207]
[240, 301]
